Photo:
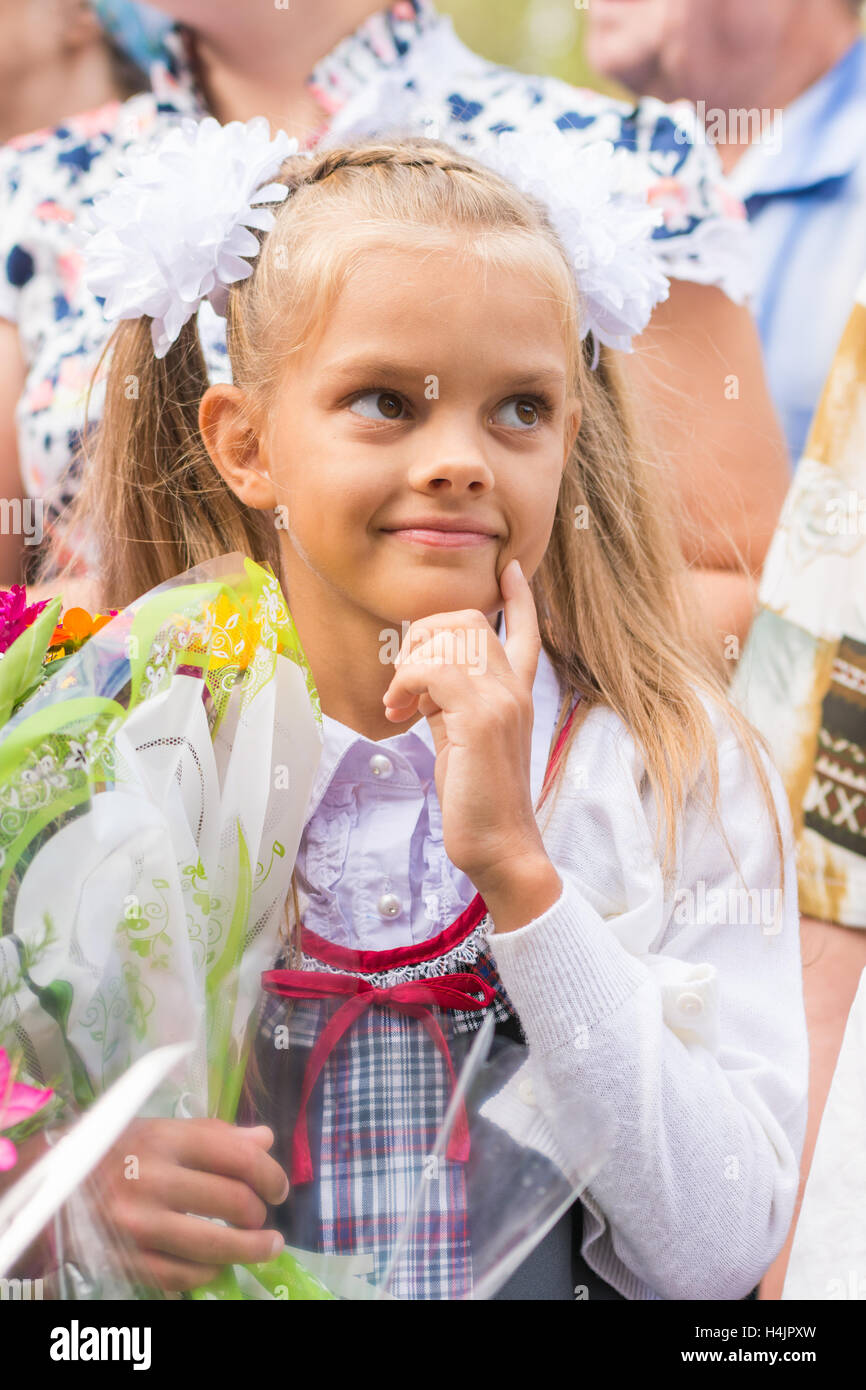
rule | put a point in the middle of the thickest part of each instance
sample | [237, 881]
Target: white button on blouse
[390, 905]
[381, 766]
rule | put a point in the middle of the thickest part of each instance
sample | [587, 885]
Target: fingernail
[256, 1131]
[285, 1191]
[277, 1244]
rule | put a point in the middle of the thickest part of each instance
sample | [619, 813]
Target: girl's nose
[454, 470]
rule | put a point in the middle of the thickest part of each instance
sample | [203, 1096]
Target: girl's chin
[418, 595]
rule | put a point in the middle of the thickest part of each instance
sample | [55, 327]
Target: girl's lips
[452, 539]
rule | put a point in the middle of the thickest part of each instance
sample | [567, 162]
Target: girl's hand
[477, 696]
[203, 1167]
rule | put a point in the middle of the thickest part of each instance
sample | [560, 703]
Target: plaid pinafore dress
[357, 1053]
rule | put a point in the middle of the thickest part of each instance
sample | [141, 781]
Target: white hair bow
[596, 194]
[174, 229]
[601, 216]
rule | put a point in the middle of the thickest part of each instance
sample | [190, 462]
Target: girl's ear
[233, 444]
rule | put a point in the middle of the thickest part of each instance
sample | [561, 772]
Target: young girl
[423, 439]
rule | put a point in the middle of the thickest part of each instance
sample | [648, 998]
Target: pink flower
[15, 616]
[69, 267]
[49, 211]
[673, 199]
[731, 206]
[41, 396]
[17, 1102]
[98, 121]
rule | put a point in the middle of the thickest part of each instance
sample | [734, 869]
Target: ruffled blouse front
[372, 869]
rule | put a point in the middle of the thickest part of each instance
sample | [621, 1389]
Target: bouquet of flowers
[155, 767]
[155, 770]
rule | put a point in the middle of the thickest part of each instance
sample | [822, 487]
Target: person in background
[138, 30]
[802, 682]
[306, 68]
[781, 88]
[55, 60]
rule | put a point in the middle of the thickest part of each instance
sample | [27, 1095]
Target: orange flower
[76, 626]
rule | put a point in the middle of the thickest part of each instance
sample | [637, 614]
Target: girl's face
[436, 393]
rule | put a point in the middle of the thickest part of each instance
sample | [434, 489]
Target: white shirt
[828, 1256]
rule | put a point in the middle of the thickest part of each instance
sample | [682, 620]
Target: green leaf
[56, 1000]
[21, 664]
[285, 1273]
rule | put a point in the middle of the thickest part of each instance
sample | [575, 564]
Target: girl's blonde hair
[616, 607]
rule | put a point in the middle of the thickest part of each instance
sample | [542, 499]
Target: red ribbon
[413, 997]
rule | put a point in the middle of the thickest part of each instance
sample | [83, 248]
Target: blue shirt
[806, 203]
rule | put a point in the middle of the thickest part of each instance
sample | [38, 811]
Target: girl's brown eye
[379, 405]
[390, 406]
[521, 413]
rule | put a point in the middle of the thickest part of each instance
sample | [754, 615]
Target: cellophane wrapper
[416, 1179]
[152, 798]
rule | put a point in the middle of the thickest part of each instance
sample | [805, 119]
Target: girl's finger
[158, 1271]
[442, 681]
[456, 646]
[214, 1146]
[199, 1241]
[522, 643]
[463, 637]
[400, 713]
[208, 1194]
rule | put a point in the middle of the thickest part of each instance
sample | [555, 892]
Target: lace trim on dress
[466, 952]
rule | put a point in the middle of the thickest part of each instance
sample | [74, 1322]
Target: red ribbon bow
[413, 997]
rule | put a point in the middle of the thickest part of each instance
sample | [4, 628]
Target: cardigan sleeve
[679, 1009]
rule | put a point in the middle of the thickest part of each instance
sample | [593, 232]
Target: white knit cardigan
[680, 1010]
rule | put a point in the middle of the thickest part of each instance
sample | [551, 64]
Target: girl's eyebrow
[373, 367]
[541, 376]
